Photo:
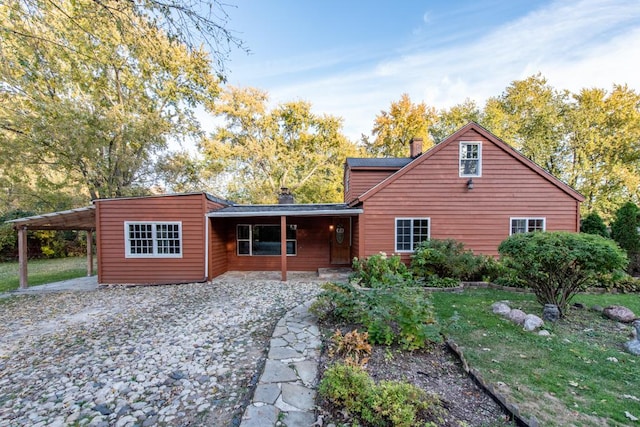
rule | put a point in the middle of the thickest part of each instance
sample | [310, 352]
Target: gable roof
[453, 137]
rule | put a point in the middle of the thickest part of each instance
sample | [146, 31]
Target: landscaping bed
[434, 370]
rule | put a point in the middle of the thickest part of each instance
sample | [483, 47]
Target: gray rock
[103, 409]
[500, 308]
[532, 322]
[597, 308]
[544, 333]
[619, 313]
[633, 346]
[550, 313]
[516, 316]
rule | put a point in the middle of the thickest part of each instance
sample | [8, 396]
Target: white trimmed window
[470, 159]
[256, 240]
[410, 232]
[153, 239]
[527, 225]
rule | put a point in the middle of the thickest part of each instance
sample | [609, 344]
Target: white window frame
[250, 239]
[154, 237]
[527, 218]
[478, 174]
[412, 219]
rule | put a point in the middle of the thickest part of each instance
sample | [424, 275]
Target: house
[471, 187]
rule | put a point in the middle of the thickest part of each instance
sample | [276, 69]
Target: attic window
[470, 159]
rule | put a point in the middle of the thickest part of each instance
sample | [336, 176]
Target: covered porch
[81, 219]
[284, 238]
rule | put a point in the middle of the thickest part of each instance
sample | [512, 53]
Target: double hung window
[153, 239]
[410, 232]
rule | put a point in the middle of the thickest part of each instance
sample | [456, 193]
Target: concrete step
[335, 273]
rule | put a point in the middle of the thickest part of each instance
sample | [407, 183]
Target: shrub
[390, 403]
[593, 224]
[557, 265]
[390, 315]
[353, 346]
[381, 270]
[624, 230]
[618, 281]
[448, 258]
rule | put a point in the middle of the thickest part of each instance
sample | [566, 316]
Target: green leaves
[264, 149]
[557, 265]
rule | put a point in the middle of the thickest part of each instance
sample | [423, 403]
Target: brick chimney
[415, 147]
[285, 197]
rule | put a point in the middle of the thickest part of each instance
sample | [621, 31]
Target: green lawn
[580, 375]
[42, 271]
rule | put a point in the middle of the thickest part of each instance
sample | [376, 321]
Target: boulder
[619, 313]
[532, 322]
[516, 316]
[500, 308]
[633, 346]
[551, 313]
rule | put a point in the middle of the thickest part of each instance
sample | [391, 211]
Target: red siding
[110, 218]
[361, 180]
[480, 217]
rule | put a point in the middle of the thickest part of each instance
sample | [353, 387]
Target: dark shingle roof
[290, 210]
[381, 162]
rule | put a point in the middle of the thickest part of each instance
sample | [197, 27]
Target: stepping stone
[275, 371]
[299, 396]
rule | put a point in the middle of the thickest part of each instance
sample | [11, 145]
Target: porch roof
[73, 219]
[327, 209]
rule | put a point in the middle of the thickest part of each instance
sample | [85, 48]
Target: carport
[81, 219]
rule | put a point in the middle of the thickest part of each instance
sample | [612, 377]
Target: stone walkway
[285, 394]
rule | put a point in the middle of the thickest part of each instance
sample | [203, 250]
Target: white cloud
[589, 43]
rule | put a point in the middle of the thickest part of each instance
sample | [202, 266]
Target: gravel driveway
[162, 355]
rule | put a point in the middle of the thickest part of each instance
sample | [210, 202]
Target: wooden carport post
[22, 256]
[89, 253]
[283, 247]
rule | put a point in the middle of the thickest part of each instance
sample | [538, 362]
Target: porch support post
[283, 247]
[22, 256]
[89, 253]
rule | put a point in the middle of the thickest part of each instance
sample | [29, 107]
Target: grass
[42, 271]
[580, 375]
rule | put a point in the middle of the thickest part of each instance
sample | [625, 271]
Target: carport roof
[328, 209]
[73, 219]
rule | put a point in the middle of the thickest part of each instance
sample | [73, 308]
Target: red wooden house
[471, 187]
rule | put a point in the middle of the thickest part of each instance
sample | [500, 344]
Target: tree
[593, 224]
[557, 265]
[529, 116]
[454, 118]
[90, 91]
[394, 129]
[624, 230]
[603, 130]
[262, 150]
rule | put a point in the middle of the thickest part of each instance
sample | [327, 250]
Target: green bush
[448, 258]
[388, 404]
[557, 265]
[593, 224]
[624, 230]
[398, 315]
[381, 270]
[618, 281]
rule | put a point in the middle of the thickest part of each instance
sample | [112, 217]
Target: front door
[340, 242]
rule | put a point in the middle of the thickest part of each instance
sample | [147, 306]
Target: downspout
[206, 248]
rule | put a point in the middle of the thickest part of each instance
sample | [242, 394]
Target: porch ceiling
[238, 211]
[74, 219]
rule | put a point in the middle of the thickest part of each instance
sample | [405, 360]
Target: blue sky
[353, 58]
